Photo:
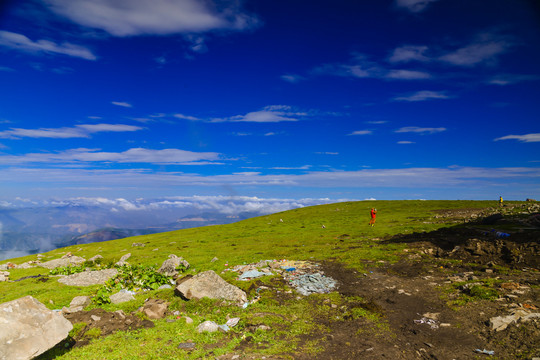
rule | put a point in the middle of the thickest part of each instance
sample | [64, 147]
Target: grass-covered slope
[339, 232]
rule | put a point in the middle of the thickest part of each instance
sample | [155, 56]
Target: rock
[123, 259]
[155, 308]
[83, 301]
[163, 287]
[68, 261]
[214, 259]
[170, 265]
[186, 346]
[211, 285]
[94, 258]
[189, 320]
[29, 329]
[4, 267]
[208, 326]
[4, 276]
[138, 245]
[121, 297]
[88, 278]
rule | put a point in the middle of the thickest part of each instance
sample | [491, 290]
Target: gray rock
[123, 260]
[94, 258]
[169, 266]
[83, 301]
[189, 320]
[121, 296]
[88, 278]
[68, 261]
[95, 318]
[186, 346]
[4, 275]
[29, 329]
[211, 285]
[208, 326]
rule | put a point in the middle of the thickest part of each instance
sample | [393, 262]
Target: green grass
[346, 238]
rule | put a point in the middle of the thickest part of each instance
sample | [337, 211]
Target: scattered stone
[186, 346]
[208, 326]
[189, 320]
[313, 283]
[121, 314]
[123, 260]
[211, 285]
[64, 261]
[95, 318]
[83, 301]
[155, 308]
[170, 265]
[122, 296]
[138, 245]
[88, 278]
[214, 259]
[29, 328]
[165, 286]
[4, 276]
[94, 258]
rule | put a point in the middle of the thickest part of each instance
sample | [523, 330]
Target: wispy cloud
[407, 75]
[361, 132]
[23, 43]
[78, 131]
[509, 79]
[523, 138]
[7, 69]
[122, 104]
[476, 53]
[420, 130]
[134, 155]
[292, 78]
[405, 142]
[409, 53]
[186, 117]
[304, 167]
[414, 6]
[158, 17]
[422, 96]
[270, 114]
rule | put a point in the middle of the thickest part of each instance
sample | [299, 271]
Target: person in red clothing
[373, 217]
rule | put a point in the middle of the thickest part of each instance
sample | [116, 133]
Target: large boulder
[88, 278]
[211, 285]
[170, 265]
[28, 329]
[4, 276]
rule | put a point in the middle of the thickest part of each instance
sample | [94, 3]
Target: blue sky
[397, 99]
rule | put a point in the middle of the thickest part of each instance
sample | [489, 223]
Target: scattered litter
[487, 352]
[434, 324]
[252, 274]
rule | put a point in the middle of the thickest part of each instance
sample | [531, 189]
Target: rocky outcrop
[88, 278]
[29, 329]
[4, 276]
[211, 285]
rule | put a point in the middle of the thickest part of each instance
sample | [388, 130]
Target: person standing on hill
[500, 201]
[373, 217]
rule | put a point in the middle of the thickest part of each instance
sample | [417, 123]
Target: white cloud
[420, 130]
[305, 167]
[361, 132]
[414, 6]
[134, 155]
[409, 53]
[122, 104]
[270, 114]
[405, 142]
[79, 131]
[407, 75]
[523, 138]
[423, 96]
[157, 17]
[7, 69]
[509, 79]
[186, 117]
[476, 53]
[292, 78]
[23, 43]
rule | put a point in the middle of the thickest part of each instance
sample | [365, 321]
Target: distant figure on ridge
[373, 217]
[500, 201]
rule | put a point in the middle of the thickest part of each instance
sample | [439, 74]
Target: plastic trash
[487, 352]
[251, 274]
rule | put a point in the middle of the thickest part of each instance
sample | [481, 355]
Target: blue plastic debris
[251, 274]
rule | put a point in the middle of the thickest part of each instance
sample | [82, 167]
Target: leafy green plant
[67, 270]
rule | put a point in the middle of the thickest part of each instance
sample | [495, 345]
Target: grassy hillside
[294, 235]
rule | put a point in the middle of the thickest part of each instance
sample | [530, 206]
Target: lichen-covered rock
[169, 266]
[68, 261]
[88, 278]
